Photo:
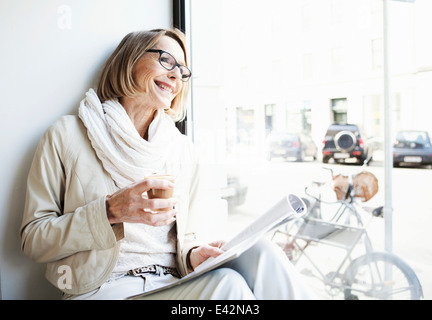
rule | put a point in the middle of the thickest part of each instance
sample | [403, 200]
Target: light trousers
[262, 272]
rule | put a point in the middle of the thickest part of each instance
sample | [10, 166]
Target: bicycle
[379, 275]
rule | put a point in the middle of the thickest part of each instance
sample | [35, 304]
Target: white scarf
[124, 153]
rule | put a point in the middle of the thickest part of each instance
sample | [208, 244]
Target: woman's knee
[265, 248]
[229, 284]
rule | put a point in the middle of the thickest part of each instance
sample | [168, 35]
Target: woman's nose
[176, 73]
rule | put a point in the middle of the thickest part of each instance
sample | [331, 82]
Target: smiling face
[157, 85]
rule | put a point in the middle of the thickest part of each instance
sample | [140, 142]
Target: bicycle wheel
[365, 278]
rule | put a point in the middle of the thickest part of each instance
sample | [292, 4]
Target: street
[411, 218]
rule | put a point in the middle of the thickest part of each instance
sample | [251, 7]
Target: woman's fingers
[158, 204]
[217, 243]
[131, 204]
[200, 254]
[147, 184]
[161, 218]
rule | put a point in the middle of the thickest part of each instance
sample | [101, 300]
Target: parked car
[235, 191]
[413, 148]
[343, 143]
[291, 145]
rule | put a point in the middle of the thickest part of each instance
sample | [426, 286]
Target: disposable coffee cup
[161, 193]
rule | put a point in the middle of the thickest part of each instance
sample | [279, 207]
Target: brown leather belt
[155, 269]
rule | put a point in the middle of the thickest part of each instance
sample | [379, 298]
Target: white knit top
[145, 245]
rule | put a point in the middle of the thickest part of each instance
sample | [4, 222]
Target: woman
[86, 208]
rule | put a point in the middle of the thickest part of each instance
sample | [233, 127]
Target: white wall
[51, 52]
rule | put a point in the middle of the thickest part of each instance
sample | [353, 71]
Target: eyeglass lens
[168, 62]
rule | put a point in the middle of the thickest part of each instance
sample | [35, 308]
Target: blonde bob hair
[116, 78]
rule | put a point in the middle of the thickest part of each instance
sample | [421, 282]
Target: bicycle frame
[346, 204]
[366, 274]
[332, 234]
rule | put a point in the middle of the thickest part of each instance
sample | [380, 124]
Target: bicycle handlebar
[365, 164]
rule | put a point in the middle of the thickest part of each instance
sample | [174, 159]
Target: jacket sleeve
[47, 232]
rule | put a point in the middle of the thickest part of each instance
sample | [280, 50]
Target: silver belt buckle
[146, 269]
[156, 269]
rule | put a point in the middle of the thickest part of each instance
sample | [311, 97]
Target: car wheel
[325, 159]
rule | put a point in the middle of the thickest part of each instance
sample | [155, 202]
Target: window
[377, 54]
[306, 18]
[337, 11]
[307, 66]
[338, 61]
[269, 118]
[372, 106]
[246, 65]
[339, 109]
[265, 67]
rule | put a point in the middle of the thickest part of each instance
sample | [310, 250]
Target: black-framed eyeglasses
[169, 62]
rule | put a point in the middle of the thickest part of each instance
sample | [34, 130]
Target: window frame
[180, 22]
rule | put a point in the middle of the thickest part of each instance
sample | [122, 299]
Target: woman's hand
[129, 205]
[199, 254]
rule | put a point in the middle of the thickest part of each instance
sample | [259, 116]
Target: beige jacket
[65, 223]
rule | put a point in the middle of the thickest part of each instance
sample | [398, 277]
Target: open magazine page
[288, 208]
